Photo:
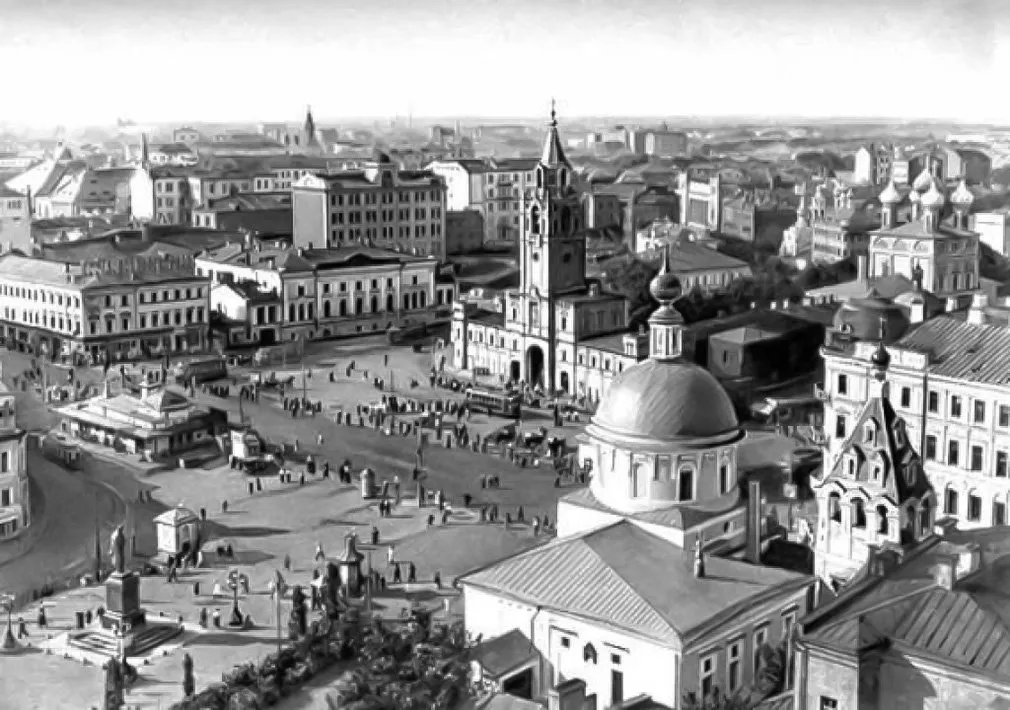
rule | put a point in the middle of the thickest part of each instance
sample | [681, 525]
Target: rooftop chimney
[699, 558]
[350, 547]
[105, 388]
[945, 571]
[977, 314]
[752, 552]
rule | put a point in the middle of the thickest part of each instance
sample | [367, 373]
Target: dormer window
[858, 513]
[851, 465]
[868, 433]
[835, 507]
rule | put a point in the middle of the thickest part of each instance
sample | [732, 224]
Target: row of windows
[306, 311]
[40, 295]
[974, 507]
[505, 177]
[163, 296]
[881, 514]
[420, 231]
[385, 197]
[300, 291]
[957, 405]
[153, 320]
[380, 216]
[51, 321]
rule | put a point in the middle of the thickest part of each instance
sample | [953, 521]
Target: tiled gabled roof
[964, 351]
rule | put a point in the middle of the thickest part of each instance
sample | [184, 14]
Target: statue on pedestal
[117, 548]
[330, 591]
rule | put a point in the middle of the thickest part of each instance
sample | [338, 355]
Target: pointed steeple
[666, 324]
[553, 154]
[310, 128]
[143, 149]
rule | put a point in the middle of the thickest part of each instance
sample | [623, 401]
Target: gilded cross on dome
[554, 113]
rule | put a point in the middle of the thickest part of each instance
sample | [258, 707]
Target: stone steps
[105, 644]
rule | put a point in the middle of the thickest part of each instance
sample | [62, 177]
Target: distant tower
[309, 130]
[143, 150]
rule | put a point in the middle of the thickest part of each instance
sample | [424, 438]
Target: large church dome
[666, 401]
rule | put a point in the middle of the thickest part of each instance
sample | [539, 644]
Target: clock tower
[552, 258]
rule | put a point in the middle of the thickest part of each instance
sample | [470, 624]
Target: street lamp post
[236, 580]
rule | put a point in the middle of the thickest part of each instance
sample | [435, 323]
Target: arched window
[390, 303]
[358, 306]
[343, 308]
[589, 654]
[882, 519]
[535, 219]
[540, 178]
[373, 305]
[858, 513]
[327, 308]
[835, 507]
[725, 478]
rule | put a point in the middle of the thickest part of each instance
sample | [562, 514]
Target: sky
[265, 60]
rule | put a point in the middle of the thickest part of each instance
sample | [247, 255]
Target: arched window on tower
[858, 513]
[535, 218]
[540, 178]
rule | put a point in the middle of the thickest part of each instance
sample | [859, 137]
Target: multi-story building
[942, 253]
[665, 144]
[332, 292]
[700, 202]
[381, 206]
[15, 489]
[15, 220]
[947, 380]
[246, 313]
[498, 188]
[872, 165]
[173, 200]
[601, 210]
[58, 193]
[119, 307]
[993, 229]
[839, 226]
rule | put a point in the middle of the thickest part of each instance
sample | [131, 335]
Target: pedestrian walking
[259, 484]
[397, 577]
[252, 488]
[224, 506]
[411, 573]
[216, 617]
[287, 563]
[42, 621]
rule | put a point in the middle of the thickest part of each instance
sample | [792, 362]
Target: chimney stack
[699, 558]
[945, 572]
[977, 314]
[105, 388]
[752, 552]
[862, 268]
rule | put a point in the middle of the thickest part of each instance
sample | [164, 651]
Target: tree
[188, 681]
[771, 673]
[716, 701]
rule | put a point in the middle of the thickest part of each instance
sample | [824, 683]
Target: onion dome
[890, 195]
[962, 196]
[933, 197]
[923, 181]
[665, 287]
[880, 358]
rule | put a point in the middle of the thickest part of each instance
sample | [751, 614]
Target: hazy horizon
[225, 61]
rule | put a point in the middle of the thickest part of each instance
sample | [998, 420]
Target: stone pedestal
[122, 600]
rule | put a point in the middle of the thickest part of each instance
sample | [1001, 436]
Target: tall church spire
[309, 130]
[666, 325]
[553, 155]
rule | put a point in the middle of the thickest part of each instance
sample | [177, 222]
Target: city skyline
[491, 59]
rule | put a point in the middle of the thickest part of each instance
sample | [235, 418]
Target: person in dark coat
[411, 573]
[397, 578]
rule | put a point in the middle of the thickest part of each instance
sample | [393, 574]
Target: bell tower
[553, 245]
